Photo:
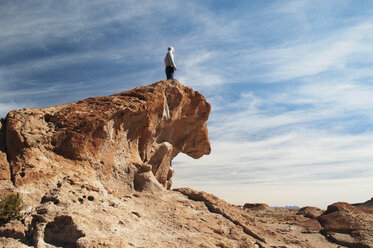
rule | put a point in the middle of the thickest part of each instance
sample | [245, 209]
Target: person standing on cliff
[170, 63]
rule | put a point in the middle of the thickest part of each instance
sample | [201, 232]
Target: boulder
[365, 205]
[256, 206]
[347, 225]
[310, 212]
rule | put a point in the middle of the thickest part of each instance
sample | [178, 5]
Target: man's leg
[169, 72]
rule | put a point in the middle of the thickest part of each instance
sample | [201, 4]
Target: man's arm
[172, 61]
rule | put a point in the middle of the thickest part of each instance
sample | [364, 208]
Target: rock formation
[256, 206]
[125, 140]
[347, 225]
[310, 212]
[96, 173]
[365, 205]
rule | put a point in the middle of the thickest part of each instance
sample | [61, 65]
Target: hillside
[365, 205]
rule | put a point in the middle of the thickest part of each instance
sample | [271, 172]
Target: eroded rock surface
[347, 225]
[310, 212]
[94, 174]
[126, 140]
[6, 186]
[365, 205]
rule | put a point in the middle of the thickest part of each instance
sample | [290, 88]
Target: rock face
[347, 225]
[125, 140]
[310, 212]
[4, 165]
[6, 185]
[256, 206]
[61, 157]
[365, 205]
[95, 173]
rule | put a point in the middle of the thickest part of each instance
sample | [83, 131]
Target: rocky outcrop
[256, 206]
[126, 140]
[4, 165]
[266, 227]
[365, 205]
[215, 205]
[94, 173]
[310, 212]
[347, 225]
[73, 163]
[6, 186]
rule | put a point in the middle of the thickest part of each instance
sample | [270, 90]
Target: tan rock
[4, 165]
[309, 225]
[95, 173]
[14, 229]
[365, 205]
[12, 243]
[310, 212]
[347, 225]
[6, 186]
[256, 206]
[107, 137]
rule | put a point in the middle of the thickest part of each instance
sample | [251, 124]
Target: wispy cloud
[303, 158]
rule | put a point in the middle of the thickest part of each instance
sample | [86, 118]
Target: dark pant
[170, 72]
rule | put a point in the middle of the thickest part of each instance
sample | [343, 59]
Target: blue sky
[290, 83]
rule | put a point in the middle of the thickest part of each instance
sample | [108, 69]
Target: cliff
[97, 173]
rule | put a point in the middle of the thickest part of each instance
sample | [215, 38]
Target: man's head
[171, 49]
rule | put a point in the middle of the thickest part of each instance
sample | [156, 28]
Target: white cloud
[339, 50]
[288, 156]
[295, 162]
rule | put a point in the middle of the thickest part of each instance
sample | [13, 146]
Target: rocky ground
[98, 173]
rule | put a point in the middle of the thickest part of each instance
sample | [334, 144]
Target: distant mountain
[292, 207]
[288, 207]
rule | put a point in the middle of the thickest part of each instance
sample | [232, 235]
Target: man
[170, 63]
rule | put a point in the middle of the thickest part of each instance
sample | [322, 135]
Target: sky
[290, 83]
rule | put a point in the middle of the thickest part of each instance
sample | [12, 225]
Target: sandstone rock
[256, 206]
[95, 173]
[310, 212]
[347, 225]
[277, 232]
[14, 229]
[4, 165]
[111, 137]
[6, 186]
[221, 207]
[308, 225]
[11, 243]
[366, 205]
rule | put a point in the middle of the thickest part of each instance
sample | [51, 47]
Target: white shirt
[169, 59]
